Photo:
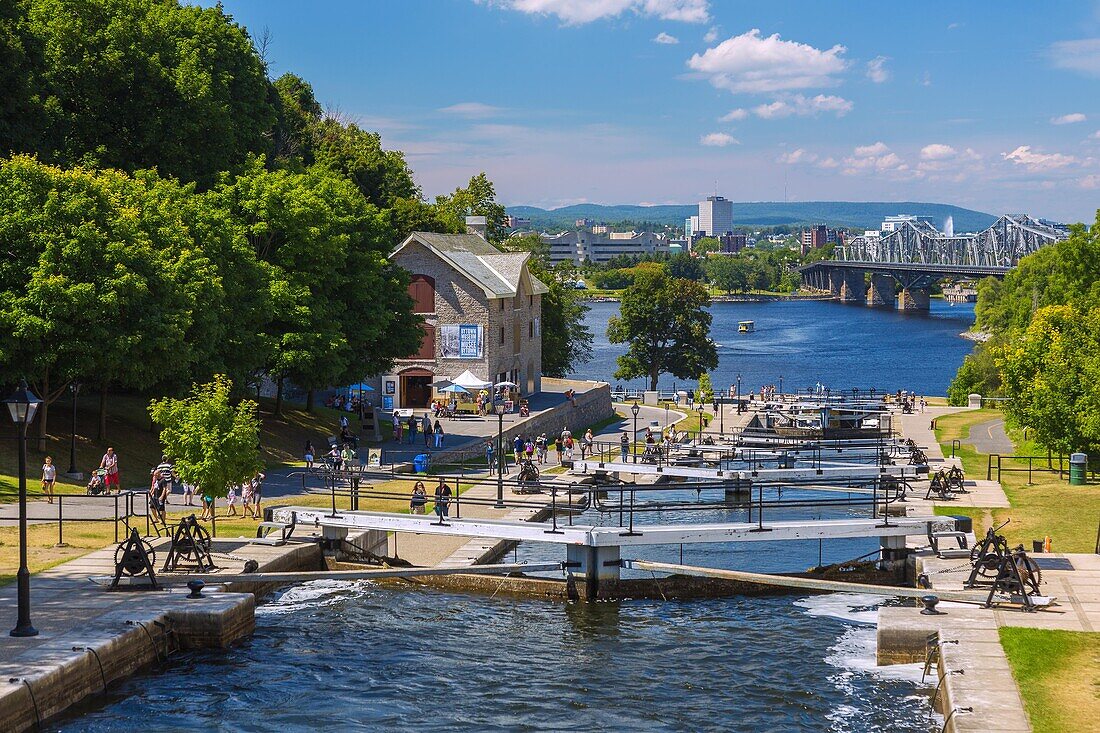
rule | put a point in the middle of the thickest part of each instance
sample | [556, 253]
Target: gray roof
[497, 273]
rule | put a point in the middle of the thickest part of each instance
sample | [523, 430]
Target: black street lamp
[702, 425]
[634, 441]
[500, 455]
[780, 386]
[666, 417]
[23, 405]
[738, 394]
[74, 390]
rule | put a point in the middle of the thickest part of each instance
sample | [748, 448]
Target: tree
[685, 266]
[382, 176]
[1052, 378]
[148, 83]
[978, 374]
[666, 323]
[706, 245]
[728, 273]
[705, 392]
[477, 199]
[212, 443]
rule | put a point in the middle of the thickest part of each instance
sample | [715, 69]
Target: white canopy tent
[471, 382]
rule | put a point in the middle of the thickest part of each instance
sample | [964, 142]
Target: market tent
[505, 384]
[469, 381]
[361, 387]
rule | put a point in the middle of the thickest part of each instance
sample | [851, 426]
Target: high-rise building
[691, 227]
[715, 216]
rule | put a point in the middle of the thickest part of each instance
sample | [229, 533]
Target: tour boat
[746, 326]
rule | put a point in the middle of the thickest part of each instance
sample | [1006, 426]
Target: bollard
[196, 586]
[930, 603]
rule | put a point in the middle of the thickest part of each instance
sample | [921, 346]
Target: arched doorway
[416, 387]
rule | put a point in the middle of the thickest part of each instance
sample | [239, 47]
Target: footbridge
[906, 261]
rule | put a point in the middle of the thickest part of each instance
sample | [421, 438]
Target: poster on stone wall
[463, 341]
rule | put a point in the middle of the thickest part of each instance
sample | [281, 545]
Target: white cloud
[803, 106]
[878, 148]
[666, 39]
[1091, 181]
[877, 71]
[579, 12]
[734, 114]
[926, 79]
[1069, 119]
[718, 140]
[953, 26]
[875, 158]
[1082, 55]
[795, 157]
[755, 64]
[472, 110]
[829, 162]
[1095, 135]
[1036, 161]
[937, 151]
[711, 35]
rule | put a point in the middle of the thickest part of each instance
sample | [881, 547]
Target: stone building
[482, 312]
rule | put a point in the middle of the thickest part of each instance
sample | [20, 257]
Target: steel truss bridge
[916, 254]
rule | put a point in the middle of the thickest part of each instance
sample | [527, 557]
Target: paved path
[990, 437]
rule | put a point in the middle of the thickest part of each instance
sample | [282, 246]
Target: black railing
[124, 506]
[995, 462]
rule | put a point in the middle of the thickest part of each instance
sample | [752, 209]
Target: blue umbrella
[361, 387]
[455, 388]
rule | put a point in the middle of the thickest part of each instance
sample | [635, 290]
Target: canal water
[810, 342]
[353, 656]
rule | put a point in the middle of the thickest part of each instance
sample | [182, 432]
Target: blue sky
[986, 105]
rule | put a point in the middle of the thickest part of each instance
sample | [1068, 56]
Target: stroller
[98, 483]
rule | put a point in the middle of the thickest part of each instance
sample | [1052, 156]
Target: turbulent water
[811, 342]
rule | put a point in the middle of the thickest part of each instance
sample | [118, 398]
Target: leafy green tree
[297, 112]
[666, 323]
[1052, 378]
[706, 245]
[728, 273]
[382, 176]
[978, 374]
[22, 116]
[148, 83]
[477, 199]
[212, 443]
[705, 392]
[613, 279]
[685, 266]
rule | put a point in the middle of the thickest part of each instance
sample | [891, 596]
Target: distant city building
[601, 229]
[586, 245]
[516, 222]
[893, 223]
[818, 236]
[732, 243]
[691, 227]
[715, 216]
[583, 223]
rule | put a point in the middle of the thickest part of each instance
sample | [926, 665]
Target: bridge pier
[913, 299]
[853, 288]
[881, 292]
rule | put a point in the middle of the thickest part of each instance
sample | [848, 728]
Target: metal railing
[124, 504]
[1042, 464]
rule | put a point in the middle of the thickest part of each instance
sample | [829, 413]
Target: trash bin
[1037, 546]
[420, 463]
[1078, 463]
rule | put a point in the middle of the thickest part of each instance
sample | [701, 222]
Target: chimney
[477, 225]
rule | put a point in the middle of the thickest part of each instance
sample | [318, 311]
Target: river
[810, 342]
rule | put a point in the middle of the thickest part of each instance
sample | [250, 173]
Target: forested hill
[858, 214]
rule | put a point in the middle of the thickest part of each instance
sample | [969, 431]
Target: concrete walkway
[990, 437]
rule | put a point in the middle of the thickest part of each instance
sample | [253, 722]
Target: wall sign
[462, 341]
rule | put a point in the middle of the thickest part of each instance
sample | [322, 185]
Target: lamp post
[634, 440]
[738, 394]
[666, 417]
[74, 390]
[500, 455]
[702, 426]
[23, 405]
[780, 386]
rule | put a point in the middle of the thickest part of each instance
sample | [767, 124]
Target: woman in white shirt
[49, 476]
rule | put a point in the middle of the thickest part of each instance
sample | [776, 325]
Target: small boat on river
[746, 326]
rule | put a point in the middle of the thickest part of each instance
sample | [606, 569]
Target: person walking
[109, 463]
[49, 477]
[257, 491]
[398, 428]
[309, 455]
[559, 446]
[540, 448]
[587, 443]
[231, 501]
[419, 498]
[414, 424]
[426, 429]
[442, 500]
[165, 475]
[188, 494]
[624, 445]
[246, 500]
[347, 458]
[517, 448]
[489, 457]
[438, 434]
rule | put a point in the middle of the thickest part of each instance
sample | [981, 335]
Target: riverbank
[615, 297]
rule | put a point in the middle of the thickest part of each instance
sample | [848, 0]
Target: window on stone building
[422, 291]
[502, 334]
[515, 337]
[530, 329]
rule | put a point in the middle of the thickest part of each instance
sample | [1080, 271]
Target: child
[246, 500]
[49, 476]
[231, 501]
[188, 493]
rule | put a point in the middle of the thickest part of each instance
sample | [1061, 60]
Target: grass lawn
[1049, 506]
[1058, 673]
